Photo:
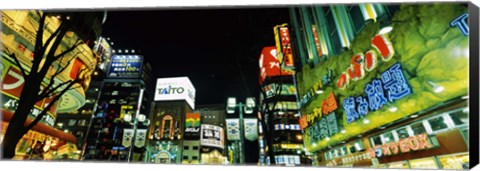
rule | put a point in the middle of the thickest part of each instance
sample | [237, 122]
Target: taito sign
[368, 62]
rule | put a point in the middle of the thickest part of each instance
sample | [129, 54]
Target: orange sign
[329, 104]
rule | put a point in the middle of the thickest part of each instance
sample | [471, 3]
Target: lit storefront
[43, 141]
[395, 96]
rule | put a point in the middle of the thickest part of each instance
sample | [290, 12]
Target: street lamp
[248, 108]
[138, 118]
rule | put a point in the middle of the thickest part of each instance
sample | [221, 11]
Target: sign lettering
[392, 86]
[359, 63]
[462, 23]
[412, 143]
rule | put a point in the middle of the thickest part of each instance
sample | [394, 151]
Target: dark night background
[218, 49]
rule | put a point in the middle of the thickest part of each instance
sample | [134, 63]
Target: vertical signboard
[284, 45]
[233, 129]
[192, 126]
[212, 136]
[251, 128]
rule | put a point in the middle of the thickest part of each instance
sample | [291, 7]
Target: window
[332, 31]
[194, 157]
[342, 151]
[195, 147]
[418, 128]
[72, 122]
[327, 156]
[79, 134]
[388, 137]
[185, 157]
[438, 123]
[459, 117]
[357, 17]
[82, 122]
[377, 140]
[185, 147]
[402, 133]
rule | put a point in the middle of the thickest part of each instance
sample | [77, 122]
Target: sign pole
[135, 122]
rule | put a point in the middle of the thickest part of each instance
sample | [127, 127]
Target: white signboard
[251, 129]
[233, 129]
[176, 88]
[212, 136]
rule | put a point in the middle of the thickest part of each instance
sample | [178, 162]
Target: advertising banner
[233, 129]
[251, 128]
[12, 83]
[284, 45]
[269, 64]
[175, 88]
[127, 137]
[192, 126]
[212, 136]
[387, 76]
[140, 138]
[125, 66]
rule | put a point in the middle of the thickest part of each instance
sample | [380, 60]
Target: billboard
[212, 136]
[192, 126]
[269, 64]
[233, 129]
[284, 45]
[387, 76]
[125, 66]
[175, 88]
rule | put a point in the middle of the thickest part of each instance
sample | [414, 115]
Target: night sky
[217, 48]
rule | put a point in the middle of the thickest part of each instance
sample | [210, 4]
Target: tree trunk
[10, 142]
[16, 126]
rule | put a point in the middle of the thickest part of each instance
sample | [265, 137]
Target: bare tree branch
[17, 62]
[45, 92]
[50, 105]
[77, 43]
[53, 35]
[79, 78]
[39, 50]
[49, 91]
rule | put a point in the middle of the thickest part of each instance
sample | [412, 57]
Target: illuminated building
[368, 99]
[212, 142]
[174, 98]
[119, 127]
[77, 122]
[18, 34]
[279, 104]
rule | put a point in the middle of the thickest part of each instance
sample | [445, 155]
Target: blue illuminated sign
[392, 86]
[125, 66]
[461, 23]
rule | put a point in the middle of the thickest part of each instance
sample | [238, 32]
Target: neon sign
[461, 23]
[361, 63]
[328, 106]
[412, 143]
[391, 86]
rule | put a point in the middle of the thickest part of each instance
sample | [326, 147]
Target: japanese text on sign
[360, 62]
[392, 86]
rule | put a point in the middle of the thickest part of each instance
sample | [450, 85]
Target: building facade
[212, 137]
[383, 85]
[18, 37]
[119, 127]
[174, 99]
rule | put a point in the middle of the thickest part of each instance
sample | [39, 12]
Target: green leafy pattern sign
[431, 52]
